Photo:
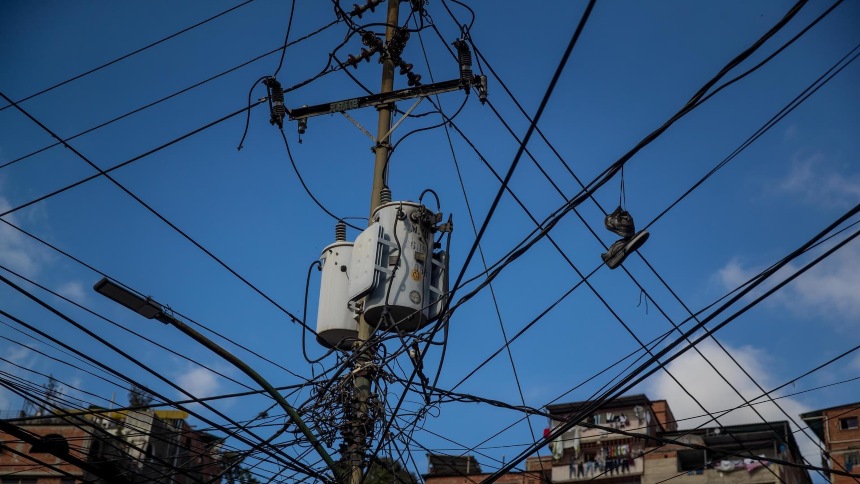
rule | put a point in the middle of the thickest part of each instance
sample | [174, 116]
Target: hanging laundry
[753, 464]
[557, 448]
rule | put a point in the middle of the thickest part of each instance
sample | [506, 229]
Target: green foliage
[138, 397]
[235, 473]
[383, 471]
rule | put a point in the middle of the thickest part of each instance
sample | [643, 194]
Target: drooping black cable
[305, 315]
[305, 186]
[117, 325]
[129, 358]
[170, 96]
[788, 108]
[248, 113]
[658, 306]
[612, 169]
[127, 162]
[187, 237]
[153, 44]
[597, 402]
[657, 439]
[103, 274]
[642, 372]
[526, 139]
[286, 38]
[509, 174]
[85, 426]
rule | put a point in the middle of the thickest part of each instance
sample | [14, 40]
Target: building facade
[609, 443]
[838, 428]
[732, 454]
[108, 447]
[448, 469]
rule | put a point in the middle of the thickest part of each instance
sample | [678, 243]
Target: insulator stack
[340, 231]
[464, 57]
[371, 40]
[276, 101]
[398, 43]
[352, 60]
[384, 195]
[358, 10]
[404, 66]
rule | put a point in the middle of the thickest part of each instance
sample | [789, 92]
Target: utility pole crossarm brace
[380, 99]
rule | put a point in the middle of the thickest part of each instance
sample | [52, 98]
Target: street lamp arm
[238, 363]
[150, 309]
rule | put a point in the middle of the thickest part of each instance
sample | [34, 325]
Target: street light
[147, 308]
[150, 309]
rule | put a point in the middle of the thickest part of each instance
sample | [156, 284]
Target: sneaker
[621, 222]
[622, 248]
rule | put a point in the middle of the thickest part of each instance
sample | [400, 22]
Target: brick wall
[842, 442]
[14, 464]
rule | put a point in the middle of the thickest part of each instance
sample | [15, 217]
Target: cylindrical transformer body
[336, 324]
[404, 288]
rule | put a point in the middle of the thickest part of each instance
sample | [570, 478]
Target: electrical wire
[633, 278]
[129, 358]
[158, 215]
[126, 56]
[643, 372]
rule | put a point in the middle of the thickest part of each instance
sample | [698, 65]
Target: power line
[642, 372]
[129, 358]
[525, 140]
[129, 161]
[187, 237]
[126, 56]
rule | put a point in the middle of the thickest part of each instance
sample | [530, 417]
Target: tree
[388, 471]
[138, 397]
[384, 470]
[235, 473]
[53, 394]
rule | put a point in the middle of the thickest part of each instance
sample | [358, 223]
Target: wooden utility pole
[363, 383]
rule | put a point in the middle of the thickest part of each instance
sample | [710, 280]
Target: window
[51, 444]
[848, 423]
[691, 460]
[851, 460]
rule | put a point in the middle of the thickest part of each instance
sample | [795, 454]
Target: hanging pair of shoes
[622, 248]
[621, 222]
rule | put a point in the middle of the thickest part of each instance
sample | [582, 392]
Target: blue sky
[634, 66]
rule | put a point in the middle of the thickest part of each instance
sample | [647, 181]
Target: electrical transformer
[393, 273]
[336, 323]
[405, 298]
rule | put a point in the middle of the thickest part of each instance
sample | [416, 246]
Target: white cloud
[855, 363]
[16, 357]
[829, 289]
[791, 132]
[818, 180]
[706, 385]
[73, 290]
[17, 251]
[200, 382]
[18, 354]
